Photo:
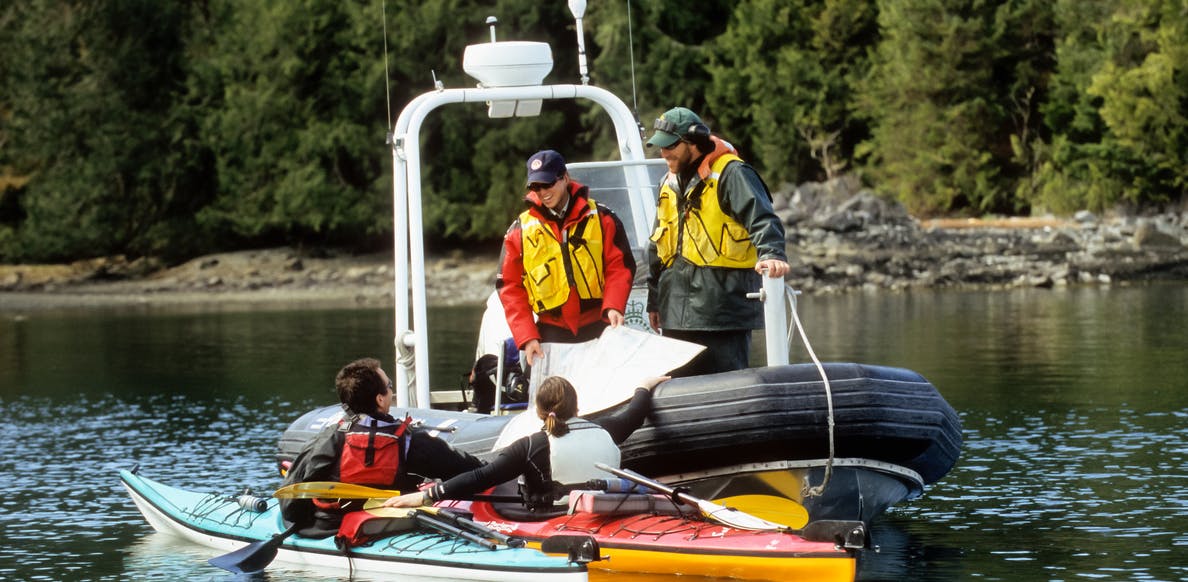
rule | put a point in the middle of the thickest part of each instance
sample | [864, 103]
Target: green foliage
[1143, 90]
[295, 84]
[141, 127]
[783, 75]
[1119, 105]
[88, 117]
[946, 92]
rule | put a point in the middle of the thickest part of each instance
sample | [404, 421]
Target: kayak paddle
[331, 490]
[452, 517]
[253, 557]
[719, 513]
[336, 490]
[425, 519]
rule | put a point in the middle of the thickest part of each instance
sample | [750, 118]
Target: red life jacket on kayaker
[372, 452]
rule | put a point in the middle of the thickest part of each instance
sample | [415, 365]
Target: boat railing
[411, 337]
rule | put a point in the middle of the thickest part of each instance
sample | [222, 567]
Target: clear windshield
[608, 184]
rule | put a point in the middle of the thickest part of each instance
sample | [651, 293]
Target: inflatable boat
[845, 440]
[759, 431]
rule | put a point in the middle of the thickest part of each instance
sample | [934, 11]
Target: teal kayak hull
[219, 522]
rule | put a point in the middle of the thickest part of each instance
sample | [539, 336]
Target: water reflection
[1074, 404]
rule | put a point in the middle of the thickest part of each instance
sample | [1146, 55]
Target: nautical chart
[604, 371]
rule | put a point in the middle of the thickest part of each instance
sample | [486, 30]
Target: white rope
[817, 490]
[406, 357]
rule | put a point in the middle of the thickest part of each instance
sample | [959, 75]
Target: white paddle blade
[737, 519]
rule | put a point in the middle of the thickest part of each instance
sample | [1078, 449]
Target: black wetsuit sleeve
[431, 458]
[317, 461]
[621, 424]
[512, 461]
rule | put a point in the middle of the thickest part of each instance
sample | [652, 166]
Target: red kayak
[652, 534]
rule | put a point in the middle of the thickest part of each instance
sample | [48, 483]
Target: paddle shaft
[336, 490]
[658, 486]
[457, 518]
[476, 527]
[425, 518]
[719, 513]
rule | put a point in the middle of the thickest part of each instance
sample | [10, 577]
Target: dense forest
[172, 129]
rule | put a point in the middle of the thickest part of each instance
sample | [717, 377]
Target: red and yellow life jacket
[551, 265]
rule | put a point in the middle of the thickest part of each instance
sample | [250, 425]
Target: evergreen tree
[671, 47]
[294, 117]
[782, 79]
[931, 115]
[1143, 90]
[89, 126]
[1073, 165]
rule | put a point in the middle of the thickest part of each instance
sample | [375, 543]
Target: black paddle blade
[253, 557]
[249, 559]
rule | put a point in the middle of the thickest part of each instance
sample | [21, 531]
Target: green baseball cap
[673, 125]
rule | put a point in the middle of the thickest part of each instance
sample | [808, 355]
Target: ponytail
[556, 402]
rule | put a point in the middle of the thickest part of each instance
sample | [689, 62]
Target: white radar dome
[508, 64]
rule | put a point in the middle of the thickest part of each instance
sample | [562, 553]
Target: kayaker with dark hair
[553, 460]
[367, 447]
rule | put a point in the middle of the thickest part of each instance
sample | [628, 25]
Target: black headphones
[698, 131]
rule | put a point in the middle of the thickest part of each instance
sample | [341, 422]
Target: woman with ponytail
[550, 462]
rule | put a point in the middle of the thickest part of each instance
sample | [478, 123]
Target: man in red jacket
[566, 259]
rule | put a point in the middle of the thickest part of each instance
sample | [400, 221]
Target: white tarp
[604, 371]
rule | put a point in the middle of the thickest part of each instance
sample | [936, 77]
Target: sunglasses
[672, 146]
[538, 186]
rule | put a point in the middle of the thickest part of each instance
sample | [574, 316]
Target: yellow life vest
[708, 237]
[550, 271]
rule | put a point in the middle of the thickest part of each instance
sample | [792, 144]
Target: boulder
[1148, 236]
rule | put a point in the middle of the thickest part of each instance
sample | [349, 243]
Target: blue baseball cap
[545, 167]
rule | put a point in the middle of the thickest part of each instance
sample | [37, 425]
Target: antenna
[491, 20]
[578, 9]
[631, 51]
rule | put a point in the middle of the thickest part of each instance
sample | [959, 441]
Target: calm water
[1074, 403]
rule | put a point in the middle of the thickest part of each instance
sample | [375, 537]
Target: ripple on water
[63, 494]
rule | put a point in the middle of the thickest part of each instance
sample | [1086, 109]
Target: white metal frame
[411, 380]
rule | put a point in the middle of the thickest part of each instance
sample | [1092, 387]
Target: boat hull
[218, 522]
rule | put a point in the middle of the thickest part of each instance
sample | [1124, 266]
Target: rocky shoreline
[252, 279]
[840, 238]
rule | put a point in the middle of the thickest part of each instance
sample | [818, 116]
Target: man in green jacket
[716, 233]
